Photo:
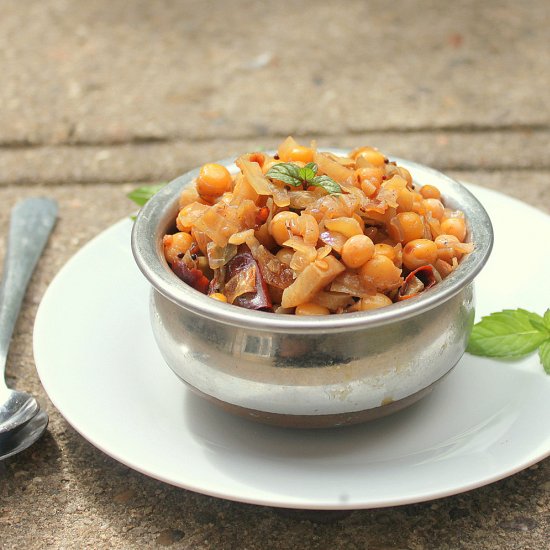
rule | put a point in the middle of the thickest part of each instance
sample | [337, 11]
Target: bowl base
[318, 420]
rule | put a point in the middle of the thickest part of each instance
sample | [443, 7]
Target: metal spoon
[31, 223]
[18, 440]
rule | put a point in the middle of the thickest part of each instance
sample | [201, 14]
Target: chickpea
[300, 153]
[188, 196]
[405, 174]
[385, 249]
[434, 207]
[309, 308]
[369, 156]
[393, 170]
[406, 226]
[213, 181]
[357, 250]
[430, 192]
[405, 200]
[454, 226]
[284, 149]
[381, 272]
[405, 197]
[419, 252]
[370, 179]
[418, 204]
[355, 153]
[176, 245]
[281, 226]
[445, 247]
[218, 296]
[375, 301]
[308, 227]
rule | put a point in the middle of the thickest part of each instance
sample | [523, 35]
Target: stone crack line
[176, 138]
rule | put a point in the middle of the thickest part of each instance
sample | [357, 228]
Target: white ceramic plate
[99, 364]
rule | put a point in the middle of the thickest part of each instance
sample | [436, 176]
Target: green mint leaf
[294, 175]
[546, 319]
[286, 172]
[540, 326]
[328, 184]
[307, 173]
[508, 334]
[544, 354]
[142, 194]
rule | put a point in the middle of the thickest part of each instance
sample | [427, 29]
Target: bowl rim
[159, 213]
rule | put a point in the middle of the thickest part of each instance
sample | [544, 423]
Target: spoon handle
[31, 223]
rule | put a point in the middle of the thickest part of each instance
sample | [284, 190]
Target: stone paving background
[96, 96]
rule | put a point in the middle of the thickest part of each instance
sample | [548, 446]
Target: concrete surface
[96, 96]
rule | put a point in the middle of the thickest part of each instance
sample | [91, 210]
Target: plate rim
[280, 502]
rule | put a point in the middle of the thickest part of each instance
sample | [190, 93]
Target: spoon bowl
[16, 441]
[17, 409]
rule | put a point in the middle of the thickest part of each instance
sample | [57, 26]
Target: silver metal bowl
[311, 371]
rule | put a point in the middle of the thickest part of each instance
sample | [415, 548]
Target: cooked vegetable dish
[307, 232]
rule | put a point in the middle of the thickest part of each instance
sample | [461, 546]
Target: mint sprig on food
[512, 333]
[295, 175]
